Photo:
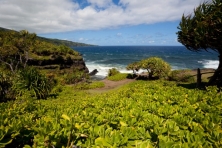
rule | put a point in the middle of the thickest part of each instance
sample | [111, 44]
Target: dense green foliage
[18, 49]
[118, 77]
[156, 67]
[15, 48]
[22, 54]
[141, 114]
[112, 72]
[32, 80]
[89, 85]
[202, 30]
[74, 77]
[135, 66]
[6, 91]
[56, 41]
[25, 82]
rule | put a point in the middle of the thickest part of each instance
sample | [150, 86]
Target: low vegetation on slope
[140, 114]
[30, 65]
[55, 41]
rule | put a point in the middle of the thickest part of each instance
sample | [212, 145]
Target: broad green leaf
[123, 123]
[64, 116]
[102, 142]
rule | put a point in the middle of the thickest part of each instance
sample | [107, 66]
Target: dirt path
[110, 85]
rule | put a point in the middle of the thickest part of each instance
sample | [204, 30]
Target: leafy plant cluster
[89, 85]
[6, 91]
[47, 50]
[113, 72]
[118, 77]
[74, 77]
[28, 81]
[202, 31]
[18, 49]
[21, 53]
[156, 67]
[32, 80]
[141, 114]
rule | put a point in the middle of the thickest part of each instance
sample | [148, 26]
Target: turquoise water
[104, 58]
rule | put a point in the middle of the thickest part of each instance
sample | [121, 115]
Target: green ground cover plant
[118, 77]
[140, 114]
[89, 85]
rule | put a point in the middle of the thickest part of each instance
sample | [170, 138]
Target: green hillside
[56, 41]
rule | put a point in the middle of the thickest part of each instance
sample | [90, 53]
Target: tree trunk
[216, 79]
[198, 78]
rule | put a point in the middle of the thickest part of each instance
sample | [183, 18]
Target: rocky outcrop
[60, 63]
[94, 72]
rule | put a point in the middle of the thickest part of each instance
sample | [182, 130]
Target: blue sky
[99, 22]
[153, 34]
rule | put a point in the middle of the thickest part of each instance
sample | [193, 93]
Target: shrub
[30, 79]
[113, 72]
[135, 66]
[156, 67]
[118, 77]
[74, 77]
[6, 81]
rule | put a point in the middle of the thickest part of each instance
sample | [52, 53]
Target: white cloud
[151, 42]
[119, 34]
[81, 39]
[100, 3]
[44, 16]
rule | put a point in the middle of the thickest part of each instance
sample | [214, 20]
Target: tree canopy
[155, 66]
[202, 30]
[15, 48]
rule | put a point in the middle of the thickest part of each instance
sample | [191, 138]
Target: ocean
[104, 58]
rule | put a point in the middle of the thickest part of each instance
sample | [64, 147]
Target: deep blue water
[103, 58]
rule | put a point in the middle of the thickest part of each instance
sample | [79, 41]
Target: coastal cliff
[18, 49]
[60, 63]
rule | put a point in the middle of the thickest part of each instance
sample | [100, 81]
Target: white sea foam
[210, 63]
[103, 69]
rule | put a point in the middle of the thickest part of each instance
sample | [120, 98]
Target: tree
[133, 66]
[202, 30]
[15, 48]
[156, 67]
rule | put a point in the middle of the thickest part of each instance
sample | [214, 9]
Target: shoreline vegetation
[129, 112]
[110, 85]
[48, 100]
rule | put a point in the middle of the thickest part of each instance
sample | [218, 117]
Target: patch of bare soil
[110, 85]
